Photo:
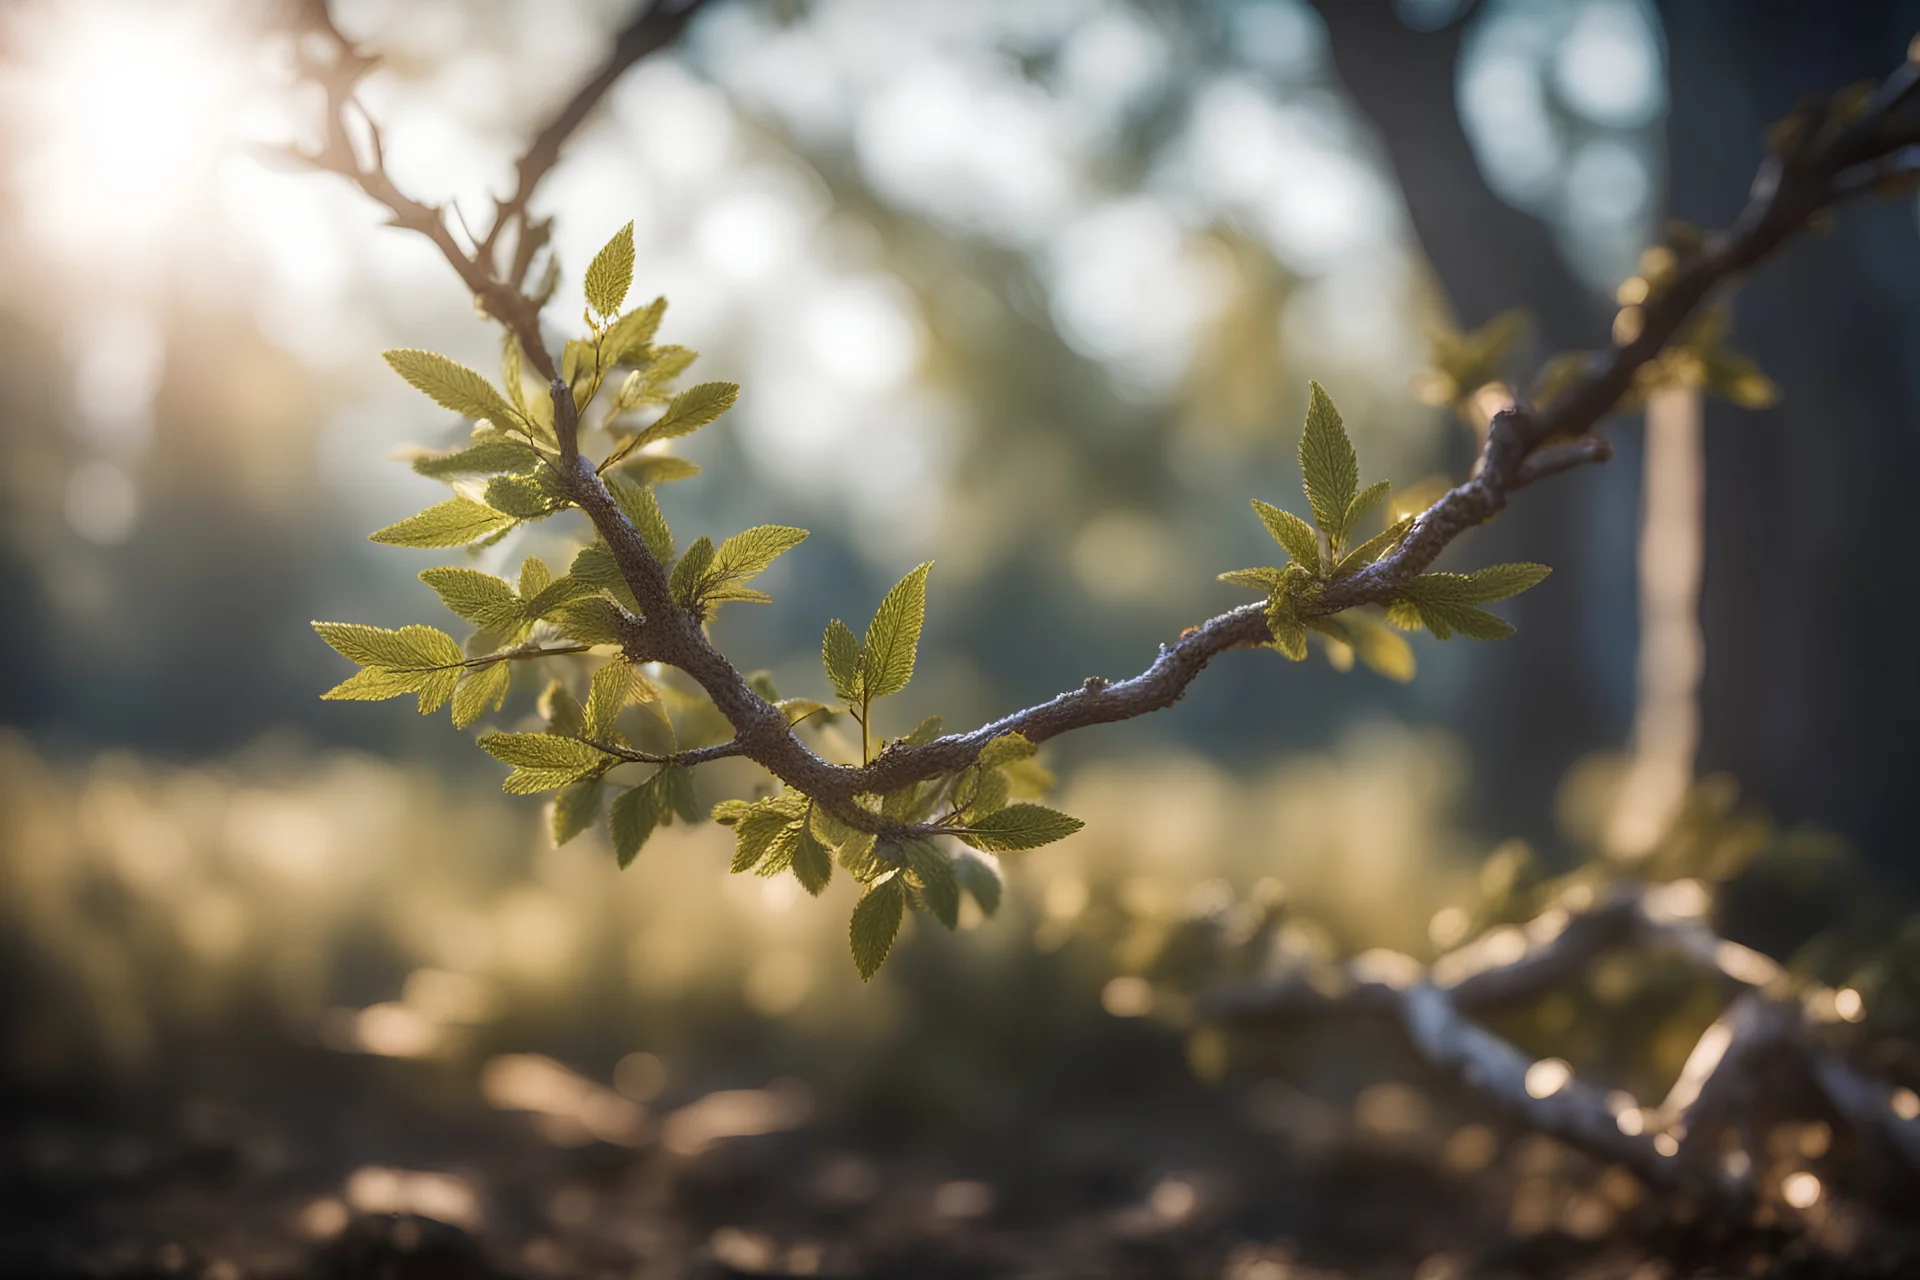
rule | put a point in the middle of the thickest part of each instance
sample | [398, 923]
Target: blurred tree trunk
[1812, 693]
[1544, 698]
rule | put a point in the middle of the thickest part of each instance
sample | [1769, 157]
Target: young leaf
[745, 555]
[1327, 463]
[522, 496]
[595, 568]
[1020, 826]
[480, 690]
[676, 794]
[893, 637]
[1373, 548]
[436, 687]
[979, 878]
[1295, 535]
[691, 410]
[755, 834]
[489, 457]
[1381, 649]
[452, 523]
[576, 808]
[480, 598]
[632, 819]
[840, 654]
[1363, 503]
[610, 274]
[410, 648]
[1265, 581]
[1289, 633]
[875, 925]
[452, 385]
[611, 689]
[542, 761]
[627, 341]
[658, 468]
[926, 731]
[1502, 581]
[637, 503]
[939, 886]
[1005, 749]
[593, 620]
[812, 861]
[373, 684]
[562, 711]
[535, 577]
[687, 575]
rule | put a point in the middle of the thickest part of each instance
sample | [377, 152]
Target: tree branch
[1750, 1059]
[1821, 166]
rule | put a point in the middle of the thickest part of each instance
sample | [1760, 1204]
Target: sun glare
[130, 105]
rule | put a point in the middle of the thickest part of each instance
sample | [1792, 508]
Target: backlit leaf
[1020, 826]
[875, 925]
[893, 637]
[452, 385]
[610, 274]
[1327, 462]
[452, 523]
[1295, 535]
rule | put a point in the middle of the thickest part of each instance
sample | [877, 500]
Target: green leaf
[658, 468]
[1005, 749]
[989, 793]
[642, 510]
[939, 886]
[798, 709]
[1373, 548]
[1502, 581]
[373, 684]
[1289, 632]
[411, 648]
[745, 555]
[595, 567]
[1382, 650]
[632, 819]
[1363, 503]
[840, 654]
[979, 878]
[691, 410]
[535, 577]
[480, 598]
[1265, 581]
[522, 496]
[1445, 617]
[610, 274]
[543, 761]
[562, 711]
[755, 833]
[576, 808]
[1294, 535]
[676, 794]
[480, 690]
[1020, 826]
[627, 341]
[1327, 463]
[593, 620]
[812, 861]
[893, 637]
[611, 690]
[436, 687]
[452, 523]
[452, 385]
[687, 575]
[926, 731]
[875, 925]
[488, 457]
